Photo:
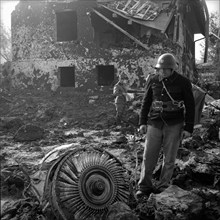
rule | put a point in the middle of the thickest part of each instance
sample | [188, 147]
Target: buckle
[181, 104]
[157, 105]
[178, 104]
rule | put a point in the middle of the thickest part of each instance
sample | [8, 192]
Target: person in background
[120, 91]
[166, 116]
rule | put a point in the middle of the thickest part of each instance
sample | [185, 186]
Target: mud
[74, 119]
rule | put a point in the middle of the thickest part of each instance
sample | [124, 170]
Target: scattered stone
[111, 121]
[91, 101]
[83, 142]
[197, 164]
[36, 149]
[213, 131]
[128, 129]
[47, 113]
[80, 134]
[3, 157]
[99, 126]
[183, 154]
[11, 123]
[216, 103]
[191, 143]
[70, 135]
[176, 203]
[121, 140]
[95, 97]
[66, 121]
[183, 180]
[120, 211]
[211, 210]
[134, 119]
[23, 209]
[29, 132]
[11, 185]
[105, 133]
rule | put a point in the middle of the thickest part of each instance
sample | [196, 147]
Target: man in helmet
[120, 91]
[167, 115]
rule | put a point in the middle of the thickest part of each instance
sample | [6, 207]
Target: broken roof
[141, 10]
[148, 13]
[157, 14]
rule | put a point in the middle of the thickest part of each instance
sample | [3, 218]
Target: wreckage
[71, 46]
[97, 38]
[86, 45]
[79, 182]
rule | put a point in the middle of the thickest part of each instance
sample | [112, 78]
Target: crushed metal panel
[142, 10]
[158, 23]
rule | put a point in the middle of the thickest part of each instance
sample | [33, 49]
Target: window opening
[105, 75]
[67, 76]
[170, 28]
[66, 25]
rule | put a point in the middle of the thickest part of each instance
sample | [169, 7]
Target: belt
[167, 106]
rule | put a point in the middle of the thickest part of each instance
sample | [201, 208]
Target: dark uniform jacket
[180, 90]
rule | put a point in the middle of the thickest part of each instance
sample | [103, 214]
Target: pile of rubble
[195, 188]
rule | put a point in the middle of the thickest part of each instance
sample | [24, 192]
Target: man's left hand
[186, 134]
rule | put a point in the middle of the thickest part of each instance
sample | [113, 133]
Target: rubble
[120, 211]
[11, 124]
[176, 203]
[23, 209]
[38, 131]
[29, 132]
[196, 178]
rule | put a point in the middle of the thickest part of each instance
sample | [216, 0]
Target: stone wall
[37, 55]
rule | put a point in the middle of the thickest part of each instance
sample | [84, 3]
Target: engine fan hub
[96, 185]
[86, 182]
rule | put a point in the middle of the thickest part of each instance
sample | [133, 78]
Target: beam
[121, 29]
[206, 29]
[218, 37]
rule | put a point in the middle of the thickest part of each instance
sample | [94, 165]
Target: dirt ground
[79, 119]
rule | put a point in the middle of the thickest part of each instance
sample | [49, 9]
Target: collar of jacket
[170, 78]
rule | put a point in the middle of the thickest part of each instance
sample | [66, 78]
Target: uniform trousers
[167, 137]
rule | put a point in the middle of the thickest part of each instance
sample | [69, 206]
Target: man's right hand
[143, 129]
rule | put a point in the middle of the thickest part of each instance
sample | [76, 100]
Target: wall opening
[170, 28]
[105, 75]
[67, 76]
[105, 35]
[66, 24]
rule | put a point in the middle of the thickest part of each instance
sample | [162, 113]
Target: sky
[213, 6]
[7, 6]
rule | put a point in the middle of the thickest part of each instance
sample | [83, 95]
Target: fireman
[166, 116]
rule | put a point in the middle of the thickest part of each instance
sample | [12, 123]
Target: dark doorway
[66, 25]
[67, 76]
[105, 75]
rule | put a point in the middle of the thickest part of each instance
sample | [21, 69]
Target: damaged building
[85, 45]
